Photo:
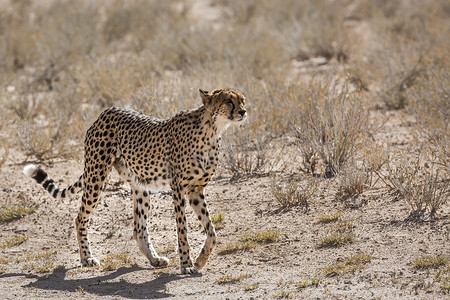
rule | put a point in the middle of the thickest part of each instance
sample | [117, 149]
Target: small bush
[293, 194]
[332, 125]
[351, 182]
[423, 186]
[247, 153]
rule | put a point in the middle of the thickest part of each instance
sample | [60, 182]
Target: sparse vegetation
[251, 287]
[352, 182]
[261, 237]
[430, 262]
[348, 264]
[250, 241]
[234, 247]
[336, 239]
[14, 212]
[292, 193]
[329, 218]
[228, 279]
[114, 261]
[284, 294]
[444, 277]
[422, 185]
[332, 126]
[40, 262]
[15, 241]
[218, 220]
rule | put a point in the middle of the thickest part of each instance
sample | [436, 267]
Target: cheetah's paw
[90, 262]
[189, 270]
[160, 262]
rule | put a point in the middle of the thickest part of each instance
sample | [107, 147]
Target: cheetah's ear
[206, 97]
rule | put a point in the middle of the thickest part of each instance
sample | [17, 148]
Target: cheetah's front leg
[197, 201]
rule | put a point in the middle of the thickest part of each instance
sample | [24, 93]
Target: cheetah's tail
[48, 184]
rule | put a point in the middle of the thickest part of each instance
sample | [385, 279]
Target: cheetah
[180, 152]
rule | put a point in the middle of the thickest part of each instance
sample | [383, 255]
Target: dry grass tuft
[332, 126]
[14, 212]
[261, 237]
[218, 220]
[336, 239]
[250, 241]
[348, 264]
[229, 279]
[114, 261]
[424, 186]
[12, 242]
[315, 281]
[292, 193]
[329, 218]
[430, 262]
[40, 262]
[250, 287]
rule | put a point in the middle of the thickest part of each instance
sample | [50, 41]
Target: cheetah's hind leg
[141, 200]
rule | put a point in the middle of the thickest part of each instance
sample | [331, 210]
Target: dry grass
[14, 212]
[336, 239]
[315, 281]
[234, 247]
[230, 279]
[430, 262]
[352, 182]
[330, 218]
[40, 262]
[332, 126]
[250, 287]
[114, 261]
[348, 264]
[423, 185]
[218, 220]
[12, 242]
[249, 241]
[294, 193]
[261, 237]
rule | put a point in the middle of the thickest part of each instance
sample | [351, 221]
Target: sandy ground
[269, 271]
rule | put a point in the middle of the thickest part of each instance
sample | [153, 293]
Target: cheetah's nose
[242, 112]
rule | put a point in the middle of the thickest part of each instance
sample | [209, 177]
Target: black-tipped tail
[48, 184]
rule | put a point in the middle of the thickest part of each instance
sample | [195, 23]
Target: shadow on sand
[99, 285]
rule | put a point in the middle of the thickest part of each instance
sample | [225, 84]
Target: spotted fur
[180, 152]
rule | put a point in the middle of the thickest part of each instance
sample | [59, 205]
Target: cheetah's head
[226, 105]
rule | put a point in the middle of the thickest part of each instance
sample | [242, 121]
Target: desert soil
[269, 271]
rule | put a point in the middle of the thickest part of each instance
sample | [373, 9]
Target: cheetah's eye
[229, 101]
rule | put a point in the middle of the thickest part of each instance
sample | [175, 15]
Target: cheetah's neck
[213, 124]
